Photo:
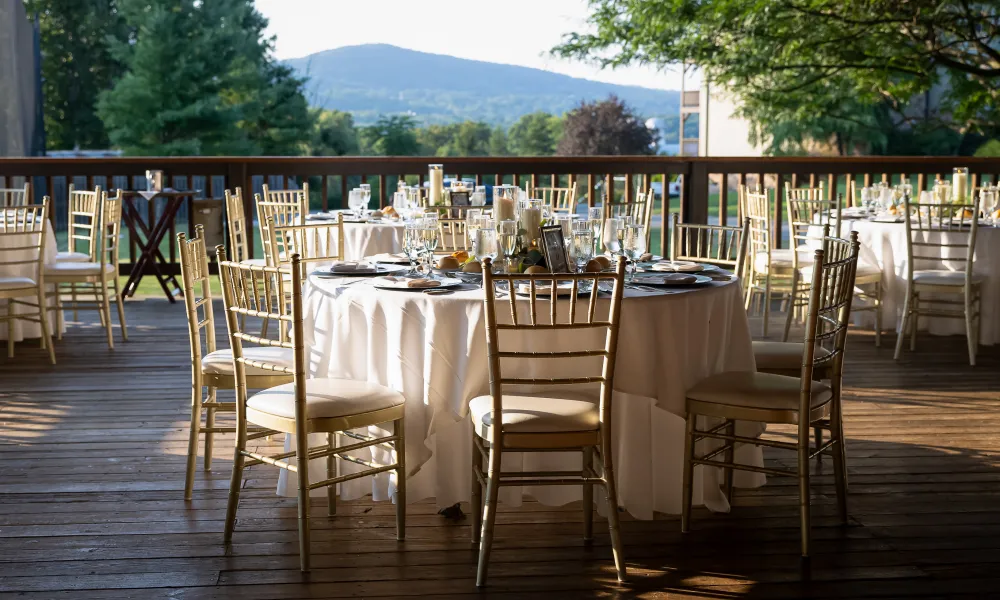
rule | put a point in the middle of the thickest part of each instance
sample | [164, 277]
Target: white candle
[960, 185]
[505, 209]
[531, 222]
[437, 184]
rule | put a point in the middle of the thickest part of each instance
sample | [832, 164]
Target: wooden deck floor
[92, 460]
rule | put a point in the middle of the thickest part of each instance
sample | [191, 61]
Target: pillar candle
[437, 184]
[960, 185]
[505, 209]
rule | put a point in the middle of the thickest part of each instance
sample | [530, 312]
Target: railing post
[694, 193]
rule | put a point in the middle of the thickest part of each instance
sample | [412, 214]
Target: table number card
[554, 249]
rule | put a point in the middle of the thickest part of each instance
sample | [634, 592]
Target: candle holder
[960, 185]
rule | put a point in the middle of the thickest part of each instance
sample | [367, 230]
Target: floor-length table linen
[26, 329]
[884, 244]
[433, 350]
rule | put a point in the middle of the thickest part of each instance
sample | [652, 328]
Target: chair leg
[43, 318]
[489, 515]
[914, 322]
[121, 310]
[901, 334]
[477, 492]
[818, 435]
[331, 472]
[686, 490]
[878, 314]
[302, 460]
[106, 313]
[193, 435]
[729, 457]
[209, 424]
[792, 306]
[588, 496]
[399, 427]
[60, 323]
[235, 482]
[612, 491]
[10, 328]
[803, 475]
[767, 304]
[970, 336]
[73, 299]
[839, 461]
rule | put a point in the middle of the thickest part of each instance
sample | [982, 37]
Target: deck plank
[92, 462]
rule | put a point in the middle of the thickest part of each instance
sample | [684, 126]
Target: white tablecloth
[433, 349]
[368, 239]
[25, 329]
[884, 245]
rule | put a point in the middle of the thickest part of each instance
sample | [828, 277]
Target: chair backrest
[312, 243]
[830, 294]
[84, 220]
[300, 197]
[939, 233]
[757, 208]
[28, 222]
[257, 291]
[196, 284]
[236, 223]
[640, 209]
[806, 210]
[718, 245]
[558, 199]
[578, 312]
[15, 196]
[111, 226]
[276, 214]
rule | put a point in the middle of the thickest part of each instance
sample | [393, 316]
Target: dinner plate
[672, 279]
[378, 270]
[399, 285]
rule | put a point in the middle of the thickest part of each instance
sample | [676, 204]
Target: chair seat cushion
[326, 399]
[77, 268]
[537, 414]
[220, 362]
[781, 259]
[772, 356]
[16, 283]
[763, 391]
[72, 257]
[943, 277]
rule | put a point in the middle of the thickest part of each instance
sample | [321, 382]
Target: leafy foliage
[77, 65]
[605, 128]
[791, 60]
[394, 135]
[534, 134]
[335, 135]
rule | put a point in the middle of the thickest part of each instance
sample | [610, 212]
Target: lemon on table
[535, 269]
[461, 256]
[472, 267]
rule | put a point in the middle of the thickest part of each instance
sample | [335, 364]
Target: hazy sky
[517, 32]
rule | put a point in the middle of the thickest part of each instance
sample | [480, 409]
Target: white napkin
[387, 257]
[680, 266]
[351, 267]
[669, 278]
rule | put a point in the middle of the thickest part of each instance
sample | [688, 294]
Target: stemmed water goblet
[366, 196]
[581, 249]
[507, 240]
[355, 202]
[614, 231]
[595, 216]
[634, 246]
[413, 244]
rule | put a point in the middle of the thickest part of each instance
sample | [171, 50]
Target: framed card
[554, 249]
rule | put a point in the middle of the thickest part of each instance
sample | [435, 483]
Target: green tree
[201, 80]
[605, 128]
[534, 134]
[790, 61]
[335, 135]
[77, 64]
[393, 135]
[498, 142]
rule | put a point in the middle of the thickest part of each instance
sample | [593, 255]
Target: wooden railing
[706, 186]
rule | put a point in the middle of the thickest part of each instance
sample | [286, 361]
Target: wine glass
[634, 245]
[613, 231]
[595, 215]
[366, 195]
[507, 238]
[429, 235]
[486, 243]
[355, 202]
[413, 244]
[581, 248]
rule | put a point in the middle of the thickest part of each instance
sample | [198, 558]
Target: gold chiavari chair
[239, 229]
[97, 278]
[84, 223]
[546, 422]
[11, 197]
[284, 208]
[22, 230]
[640, 210]
[769, 398]
[718, 245]
[807, 210]
[330, 406]
[314, 243]
[558, 199]
[936, 234]
[212, 367]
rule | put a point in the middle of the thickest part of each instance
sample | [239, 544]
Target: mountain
[375, 79]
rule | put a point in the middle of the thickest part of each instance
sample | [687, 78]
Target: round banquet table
[433, 350]
[884, 244]
[26, 329]
[362, 240]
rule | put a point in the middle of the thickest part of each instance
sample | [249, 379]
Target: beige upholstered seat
[326, 398]
[765, 392]
[781, 356]
[943, 277]
[72, 257]
[534, 414]
[220, 362]
[78, 268]
[16, 283]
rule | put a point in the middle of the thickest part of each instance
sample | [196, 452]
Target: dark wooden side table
[148, 234]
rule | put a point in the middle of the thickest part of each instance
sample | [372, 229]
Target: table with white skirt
[26, 329]
[369, 238]
[884, 244]
[433, 350]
